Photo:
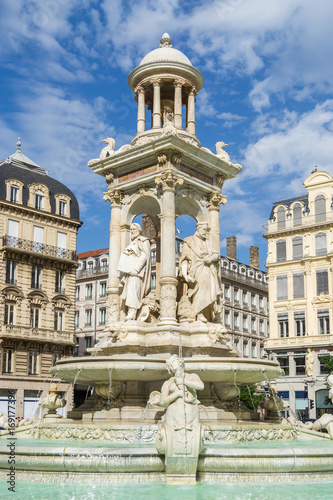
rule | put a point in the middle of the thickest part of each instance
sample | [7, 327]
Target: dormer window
[39, 200]
[14, 194]
[62, 207]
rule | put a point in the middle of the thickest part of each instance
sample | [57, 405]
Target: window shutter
[282, 287]
[320, 207]
[297, 247]
[298, 282]
[321, 246]
[281, 250]
[322, 282]
[297, 215]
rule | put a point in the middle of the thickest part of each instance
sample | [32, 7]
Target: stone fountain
[162, 351]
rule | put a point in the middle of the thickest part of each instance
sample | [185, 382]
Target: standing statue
[134, 270]
[199, 268]
[309, 362]
[180, 433]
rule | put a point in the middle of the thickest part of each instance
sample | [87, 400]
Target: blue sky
[268, 93]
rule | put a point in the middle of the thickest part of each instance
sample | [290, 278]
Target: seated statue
[134, 269]
[198, 267]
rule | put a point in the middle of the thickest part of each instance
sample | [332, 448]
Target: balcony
[306, 222]
[38, 334]
[95, 271]
[28, 246]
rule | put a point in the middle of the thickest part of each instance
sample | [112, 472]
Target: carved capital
[109, 179]
[216, 199]
[139, 89]
[114, 197]
[193, 91]
[169, 180]
[179, 82]
[156, 82]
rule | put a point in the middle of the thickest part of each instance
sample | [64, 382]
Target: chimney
[232, 247]
[254, 257]
[148, 228]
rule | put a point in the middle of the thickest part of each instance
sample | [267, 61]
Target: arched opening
[281, 218]
[320, 207]
[297, 210]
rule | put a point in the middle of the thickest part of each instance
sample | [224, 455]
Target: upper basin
[94, 370]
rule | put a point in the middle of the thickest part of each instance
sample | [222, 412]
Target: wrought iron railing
[32, 246]
[83, 273]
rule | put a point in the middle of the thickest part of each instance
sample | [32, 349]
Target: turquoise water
[220, 491]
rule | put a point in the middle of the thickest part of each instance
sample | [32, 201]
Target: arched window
[320, 207]
[281, 250]
[321, 245]
[297, 214]
[297, 247]
[281, 218]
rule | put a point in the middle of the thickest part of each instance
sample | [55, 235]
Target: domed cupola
[165, 81]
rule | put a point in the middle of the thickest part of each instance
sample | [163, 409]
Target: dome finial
[18, 144]
[165, 41]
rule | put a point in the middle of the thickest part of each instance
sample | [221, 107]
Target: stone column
[191, 111]
[156, 103]
[115, 246]
[141, 121]
[178, 83]
[215, 200]
[168, 282]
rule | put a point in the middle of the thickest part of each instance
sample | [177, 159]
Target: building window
[282, 287]
[62, 207]
[297, 247]
[13, 232]
[103, 288]
[281, 218]
[77, 293]
[253, 324]
[298, 284]
[11, 272]
[14, 194]
[253, 299]
[299, 318]
[262, 352]
[261, 326]
[245, 349]
[297, 214]
[37, 239]
[320, 208]
[322, 370]
[283, 325]
[235, 294]
[103, 316]
[245, 327]
[323, 321]
[77, 318]
[39, 200]
[227, 318]
[61, 244]
[88, 317]
[33, 363]
[261, 302]
[236, 322]
[7, 361]
[281, 251]
[58, 321]
[88, 342]
[34, 317]
[283, 359]
[55, 358]
[9, 314]
[322, 282]
[300, 364]
[321, 244]
[153, 256]
[226, 292]
[253, 350]
[244, 297]
[60, 281]
[153, 281]
[89, 291]
[36, 277]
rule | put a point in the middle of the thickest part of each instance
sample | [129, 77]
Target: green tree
[250, 398]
